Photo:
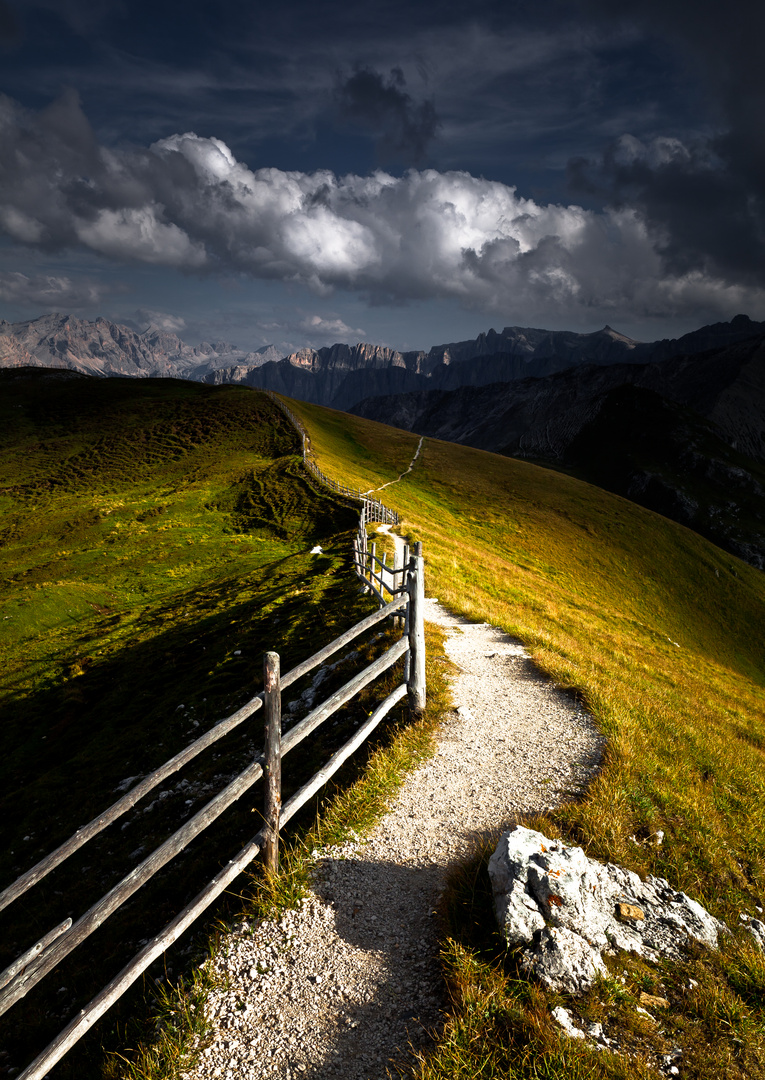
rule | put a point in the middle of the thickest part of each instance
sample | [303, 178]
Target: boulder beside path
[565, 911]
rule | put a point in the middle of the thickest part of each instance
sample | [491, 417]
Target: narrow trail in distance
[411, 466]
[350, 982]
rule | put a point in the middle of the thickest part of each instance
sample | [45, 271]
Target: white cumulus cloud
[186, 202]
[334, 328]
[161, 320]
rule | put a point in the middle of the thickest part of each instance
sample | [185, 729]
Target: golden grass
[659, 631]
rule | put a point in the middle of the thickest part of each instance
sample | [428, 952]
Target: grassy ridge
[150, 560]
[142, 521]
[662, 635]
[156, 540]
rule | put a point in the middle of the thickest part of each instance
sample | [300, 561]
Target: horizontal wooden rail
[178, 926]
[307, 791]
[87, 832]
[103, 1001]
[124, 889]
[344, 639]
[21, 962]
[310, 722]
[380, 562]
[117, 987]
[42, 962]
[375, 591]
[381, 579]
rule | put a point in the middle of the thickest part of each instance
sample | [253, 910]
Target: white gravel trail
[403, 474]
[346, 984]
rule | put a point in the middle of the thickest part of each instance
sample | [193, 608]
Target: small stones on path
[349, 983]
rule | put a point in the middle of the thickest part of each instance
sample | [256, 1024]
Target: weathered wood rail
[404, 586]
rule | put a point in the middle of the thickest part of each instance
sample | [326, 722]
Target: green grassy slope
[661, 633]
[156, 540]
[139, 520]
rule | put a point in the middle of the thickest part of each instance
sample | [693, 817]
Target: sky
[402, 173]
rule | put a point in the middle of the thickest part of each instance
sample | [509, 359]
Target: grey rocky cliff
[342, 375]
[101, 347]
[565, 911]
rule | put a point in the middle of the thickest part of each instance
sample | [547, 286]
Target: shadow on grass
[67, 749]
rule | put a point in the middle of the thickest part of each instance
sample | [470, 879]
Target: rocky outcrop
[756, 928]
[565, 911]
[339, 375]
[342, 375]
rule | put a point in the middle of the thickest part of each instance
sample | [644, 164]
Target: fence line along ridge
[374, 509]
[400, 592]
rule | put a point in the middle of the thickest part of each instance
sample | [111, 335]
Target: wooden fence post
[272, 701]
[416, 675]
[405, 585]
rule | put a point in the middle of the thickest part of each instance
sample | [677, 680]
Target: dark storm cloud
[50, 291]
[703, 199]
[702, 211]
[403, 130]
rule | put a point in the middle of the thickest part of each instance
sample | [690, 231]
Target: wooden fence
[404, 587]
[374, 509]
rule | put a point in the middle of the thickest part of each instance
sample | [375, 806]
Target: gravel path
[341, 987]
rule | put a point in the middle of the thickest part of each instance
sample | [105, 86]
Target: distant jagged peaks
[101, 347]
[517, 341]
[609, 331]
[340, 375]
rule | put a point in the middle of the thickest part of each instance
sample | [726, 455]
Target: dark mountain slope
[685, 436]
[662, 456]
[539, 417]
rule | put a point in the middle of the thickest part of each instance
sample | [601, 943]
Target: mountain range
[677, 425]
[340, 375]
[106, 348]
[684, 436]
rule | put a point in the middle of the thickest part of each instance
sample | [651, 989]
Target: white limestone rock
[517, 912]
[563, 961]
[756, 928]
[542, 885]
[566, 1021]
